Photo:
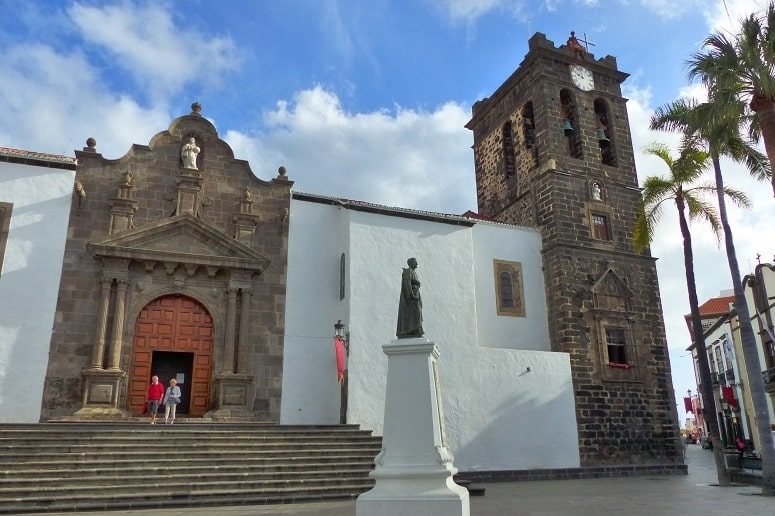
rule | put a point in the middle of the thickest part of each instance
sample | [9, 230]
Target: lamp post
[341, 356]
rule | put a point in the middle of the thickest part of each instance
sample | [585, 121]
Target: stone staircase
[58, 467]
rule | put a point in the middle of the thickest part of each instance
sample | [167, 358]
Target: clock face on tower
[582, 77]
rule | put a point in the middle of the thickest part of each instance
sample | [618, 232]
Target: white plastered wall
[498, 415]
[29, 282]
[317, 237]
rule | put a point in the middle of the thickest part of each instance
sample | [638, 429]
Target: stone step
[13, 454]
[58, 470]
[74, 467]
[193, 422]
[77, 480]
[153, 447]
[136, 438]
[179, 486]
[211, 498]
[159, 428]
[181, 461]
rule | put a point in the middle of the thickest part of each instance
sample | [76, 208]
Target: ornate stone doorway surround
[173, 323]
[178, 255]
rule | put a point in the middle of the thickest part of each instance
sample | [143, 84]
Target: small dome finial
[282, 171]
[196, 109]
[91, 145]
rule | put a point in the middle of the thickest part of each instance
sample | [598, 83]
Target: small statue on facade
[410, 304]
[282, 219]
[80, 191]
[597, 192]
[189, 153]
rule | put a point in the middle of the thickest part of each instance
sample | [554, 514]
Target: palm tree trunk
[750, 353]
[706, 390]
[765, 112]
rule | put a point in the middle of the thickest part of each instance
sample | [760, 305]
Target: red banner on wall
[688, 405]
[339, 349]
[728, 394]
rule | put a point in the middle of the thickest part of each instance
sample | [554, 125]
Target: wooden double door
[173, 339]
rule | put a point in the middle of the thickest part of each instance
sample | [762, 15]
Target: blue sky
[356, 99]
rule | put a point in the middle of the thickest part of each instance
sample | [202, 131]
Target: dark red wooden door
[179, 324]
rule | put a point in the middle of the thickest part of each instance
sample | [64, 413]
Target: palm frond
[656, 189]
[738, 197]
[661, 151]
[675, 116]
[700, 209]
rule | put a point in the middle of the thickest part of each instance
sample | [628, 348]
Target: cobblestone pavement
[641, 496]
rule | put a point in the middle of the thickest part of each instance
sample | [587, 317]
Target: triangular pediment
[181, 239]
[611, 284]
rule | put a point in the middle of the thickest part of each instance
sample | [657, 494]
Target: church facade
[174, 265]
[180, 262]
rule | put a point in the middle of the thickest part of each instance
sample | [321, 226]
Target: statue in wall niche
[189, 153]
[597, 192]
[80, 191]
[410, 304]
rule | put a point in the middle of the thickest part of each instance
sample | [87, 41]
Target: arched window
[341, 277]
[604, 133]
[506, 290]
[570, 123]
[508, 149]
[528, 125]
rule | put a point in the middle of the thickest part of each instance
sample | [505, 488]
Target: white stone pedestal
[414, 469]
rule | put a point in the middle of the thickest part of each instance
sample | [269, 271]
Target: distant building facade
[730, 376]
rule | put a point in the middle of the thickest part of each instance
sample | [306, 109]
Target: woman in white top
[171, 400]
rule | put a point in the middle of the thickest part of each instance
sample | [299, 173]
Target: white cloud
[471, 10]
[666, 8]
[146, 41]
[402, 157]
[726, 16]
[53, 101]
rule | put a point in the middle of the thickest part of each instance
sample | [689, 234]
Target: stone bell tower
[552, 150]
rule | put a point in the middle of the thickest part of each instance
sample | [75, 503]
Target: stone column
[231, 327]
[242, 345]
[118, 326]
[98, 354]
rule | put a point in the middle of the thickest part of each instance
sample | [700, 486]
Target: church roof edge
[397, 211]
[44, 159]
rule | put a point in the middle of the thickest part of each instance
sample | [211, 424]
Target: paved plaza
[662, 495]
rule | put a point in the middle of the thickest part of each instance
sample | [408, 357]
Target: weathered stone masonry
[149, 228]
[595, 281]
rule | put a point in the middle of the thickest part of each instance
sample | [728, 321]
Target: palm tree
[684, 171]
[722, 136]
[742, 69]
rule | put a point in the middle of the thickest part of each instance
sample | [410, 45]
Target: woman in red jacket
[155, 395]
